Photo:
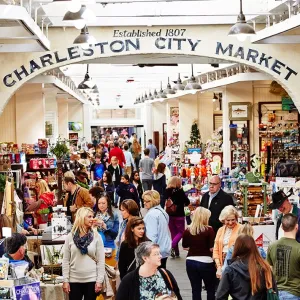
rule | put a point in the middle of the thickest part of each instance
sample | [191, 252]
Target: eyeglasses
[147, 201]
[213, 184]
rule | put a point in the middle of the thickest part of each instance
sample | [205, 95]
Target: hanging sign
[285, 181]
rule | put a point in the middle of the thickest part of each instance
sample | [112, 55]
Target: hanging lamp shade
[241, 29]
[87, 83]
[215, 98]
[169, 90]
[76, 18]
[142, 99]
[179, 86]
[95, 89]
[192, 84]
[151, 97]
[161, 93]
[84, 39]
[155, 94]
[146, 97]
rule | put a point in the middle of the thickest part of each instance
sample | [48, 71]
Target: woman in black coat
[134, 235]
[159, 182]
[175, 193]
[148, 281]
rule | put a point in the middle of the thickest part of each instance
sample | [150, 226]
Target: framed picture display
[240, 111]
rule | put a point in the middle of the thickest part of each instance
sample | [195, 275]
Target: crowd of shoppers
[220, 252]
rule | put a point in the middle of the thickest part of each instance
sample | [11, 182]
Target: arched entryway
[189, 48]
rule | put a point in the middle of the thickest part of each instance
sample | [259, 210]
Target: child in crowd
[97, 168]
[127, 190]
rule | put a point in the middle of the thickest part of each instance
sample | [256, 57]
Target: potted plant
[44, 212]
[60, 149]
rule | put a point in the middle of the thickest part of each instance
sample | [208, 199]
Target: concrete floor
[178, 269]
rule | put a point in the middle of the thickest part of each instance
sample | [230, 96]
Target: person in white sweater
[84, 259]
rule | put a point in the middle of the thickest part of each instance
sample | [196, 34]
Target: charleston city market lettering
[119, 46]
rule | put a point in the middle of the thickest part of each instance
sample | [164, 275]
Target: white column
[148, 121]
[51, 113]
[188, 113]
[30, 114]
[87, 130]
[63, 117]
[226, 141]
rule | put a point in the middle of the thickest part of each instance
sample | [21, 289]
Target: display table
[53, 292]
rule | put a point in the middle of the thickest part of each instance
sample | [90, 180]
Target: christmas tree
[195, 137]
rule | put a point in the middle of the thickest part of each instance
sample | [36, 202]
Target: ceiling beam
[276, 29]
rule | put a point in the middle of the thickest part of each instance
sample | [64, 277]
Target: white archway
[271, 60]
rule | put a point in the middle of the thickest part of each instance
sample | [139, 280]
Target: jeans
[198, 271]
[147, 184]
[283, 295]
[78, 290]
[176, 225]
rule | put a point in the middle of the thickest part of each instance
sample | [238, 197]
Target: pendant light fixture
[146, 97]
[161, 93]
[142, 99]
[192, 84]
[87, 83]
[215, 98]
[169, 90]
[76, 18]
[151, 97]
[241, 29]
[179, 86]
[84, 39]
[155, 94]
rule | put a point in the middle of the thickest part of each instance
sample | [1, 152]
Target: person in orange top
[226, 236]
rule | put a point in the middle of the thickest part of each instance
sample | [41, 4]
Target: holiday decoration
[195, 137]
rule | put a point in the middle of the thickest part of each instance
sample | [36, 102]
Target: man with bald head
[215, 200]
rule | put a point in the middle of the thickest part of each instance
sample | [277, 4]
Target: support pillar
[188, 113]
[87, 130]
[63, 117]
[148, 121]
[30, 113]
[226, 140]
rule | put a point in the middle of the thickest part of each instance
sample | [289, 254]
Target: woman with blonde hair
[226, 236]
[45, 200]
[198, 239]
[248, 230]
[176, 200]
[84, 259]
[156, 222]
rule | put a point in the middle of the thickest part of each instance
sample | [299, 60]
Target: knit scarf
[83, 242]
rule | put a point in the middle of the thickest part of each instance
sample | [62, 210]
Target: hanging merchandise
[271, 117]
[233, 132]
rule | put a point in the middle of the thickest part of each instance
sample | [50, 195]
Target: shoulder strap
[168, 277]
[130, 265]
[162, 213]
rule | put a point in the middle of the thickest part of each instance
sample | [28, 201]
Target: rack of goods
[279, 139]
[240, 144]
[252, 199]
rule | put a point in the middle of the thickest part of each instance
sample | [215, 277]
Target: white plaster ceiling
[122, 84]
